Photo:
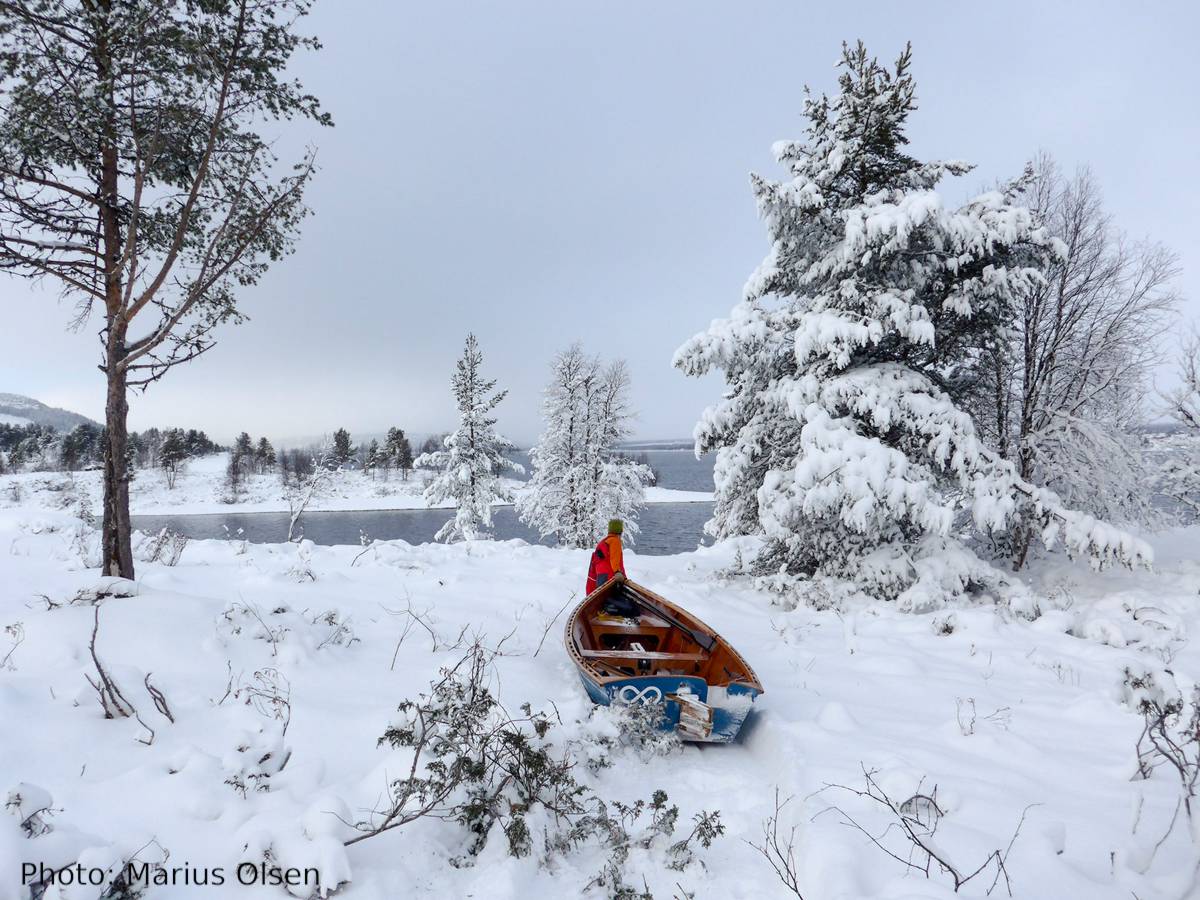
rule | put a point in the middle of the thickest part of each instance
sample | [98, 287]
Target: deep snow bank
[999, 713]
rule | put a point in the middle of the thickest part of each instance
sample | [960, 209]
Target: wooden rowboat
[655, 652]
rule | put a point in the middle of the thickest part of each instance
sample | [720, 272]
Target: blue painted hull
[730, 704]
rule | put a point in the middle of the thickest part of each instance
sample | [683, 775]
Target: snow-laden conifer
[840, 436]
[580, 480]
[472, 461]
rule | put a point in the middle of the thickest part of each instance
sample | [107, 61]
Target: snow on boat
[633, 646]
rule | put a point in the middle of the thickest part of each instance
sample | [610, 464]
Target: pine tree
[172, 455]
[264, 455]
[78, 446]
[472, 454]
[343, 450]
[398, 451]
[372, 458]
[840, 437]
[404, 457]
[579, 480]
[137, 173]
[241, 460]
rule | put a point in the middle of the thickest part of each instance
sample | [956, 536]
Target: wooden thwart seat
[644, 621]
[642, 654]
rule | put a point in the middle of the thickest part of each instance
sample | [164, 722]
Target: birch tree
[1062, 389]
[580, 480]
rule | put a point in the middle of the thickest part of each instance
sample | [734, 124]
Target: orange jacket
[607, 560]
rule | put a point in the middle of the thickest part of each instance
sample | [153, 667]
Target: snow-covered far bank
[995, 717]
[201, 489]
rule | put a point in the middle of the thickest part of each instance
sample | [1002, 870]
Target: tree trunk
[116, 553]
[1025, 529]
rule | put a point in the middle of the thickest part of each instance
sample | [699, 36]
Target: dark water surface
[665, 527]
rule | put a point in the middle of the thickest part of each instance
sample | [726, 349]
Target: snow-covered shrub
[944, 625]
[32, 806]
[283, 625]
[632, 726]
[646, 826]
[166, 547]
[1151, 691]
[242, 618]
[260, 749]
[1170, 738]
[842, 437]
[15, 632]
[301, 568]
[470, 762]
[340, 633]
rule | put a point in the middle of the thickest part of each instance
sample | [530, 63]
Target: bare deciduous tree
[133, 176]
[1058, 397]
[307, 487]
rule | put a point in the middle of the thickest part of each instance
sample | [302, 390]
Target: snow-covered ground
[201, 488]
[1002, 715]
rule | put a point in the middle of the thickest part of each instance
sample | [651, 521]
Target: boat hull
[731, 704]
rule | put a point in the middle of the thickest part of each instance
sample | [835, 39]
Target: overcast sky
[545, 172]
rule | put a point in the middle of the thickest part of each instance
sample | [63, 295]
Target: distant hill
[18, 410]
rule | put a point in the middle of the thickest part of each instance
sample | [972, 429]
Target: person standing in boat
[607, 558]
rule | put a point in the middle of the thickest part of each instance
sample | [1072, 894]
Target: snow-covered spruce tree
[473, 454]
[840, 438]
[579, 479]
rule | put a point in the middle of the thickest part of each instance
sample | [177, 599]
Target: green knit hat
[615, 526]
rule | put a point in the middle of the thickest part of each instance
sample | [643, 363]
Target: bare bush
[241, 616]
[108, 692]
[413, 619]
[16, 635]
[166, 547]
[1170, 737]
[780, 850]
[340, 632]
[262, 753]
[32, 807]
[910, 835]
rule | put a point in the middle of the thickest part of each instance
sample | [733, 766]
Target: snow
[6, 419]
[1005, 714]
[200, 489]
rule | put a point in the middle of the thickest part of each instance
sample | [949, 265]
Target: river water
[665, 527]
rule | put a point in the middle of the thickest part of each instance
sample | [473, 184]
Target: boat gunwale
[601, 678]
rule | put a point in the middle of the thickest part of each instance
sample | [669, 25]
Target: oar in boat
[704, 642]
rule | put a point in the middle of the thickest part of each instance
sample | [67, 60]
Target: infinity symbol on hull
[631, 694]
